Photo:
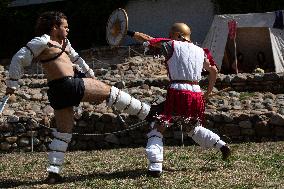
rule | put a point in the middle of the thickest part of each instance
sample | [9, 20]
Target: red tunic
[183, 103]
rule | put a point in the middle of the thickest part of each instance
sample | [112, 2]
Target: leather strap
[59, 54]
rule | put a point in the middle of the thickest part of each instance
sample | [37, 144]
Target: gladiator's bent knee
[206, 138]
[154, 150]
[58, 147]
[124, 102]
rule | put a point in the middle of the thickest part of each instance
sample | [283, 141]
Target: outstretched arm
[139, 36]
[146, 39]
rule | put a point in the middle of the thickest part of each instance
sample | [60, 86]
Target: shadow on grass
[181, 169]
[126, 174]
[11, 183]
[208, 169]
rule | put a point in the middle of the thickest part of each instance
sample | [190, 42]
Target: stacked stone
[252, 109]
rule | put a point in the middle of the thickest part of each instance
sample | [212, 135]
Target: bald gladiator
[185, 99]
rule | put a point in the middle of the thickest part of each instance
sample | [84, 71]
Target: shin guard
[58, 147]
[154, 150]
[125, 103]
[206, 138]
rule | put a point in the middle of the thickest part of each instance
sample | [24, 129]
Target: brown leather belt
[185, 82]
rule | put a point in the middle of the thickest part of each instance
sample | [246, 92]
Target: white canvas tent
[251, 29]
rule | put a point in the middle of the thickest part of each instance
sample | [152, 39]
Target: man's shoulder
[40, 40]
[198, 48]
[38, 44]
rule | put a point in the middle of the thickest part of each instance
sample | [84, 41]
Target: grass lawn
[252, 165]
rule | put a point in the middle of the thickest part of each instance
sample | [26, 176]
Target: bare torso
[95, 91]
[58, 68]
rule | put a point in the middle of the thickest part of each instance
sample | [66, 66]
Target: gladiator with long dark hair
[47, 20]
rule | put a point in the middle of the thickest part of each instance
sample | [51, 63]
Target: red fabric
[210, 57]
[157, 40]
[232, 24]
[184, 103]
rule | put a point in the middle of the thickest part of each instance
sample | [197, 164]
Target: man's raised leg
[97, 91]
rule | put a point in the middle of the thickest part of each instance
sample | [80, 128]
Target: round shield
[117, 26]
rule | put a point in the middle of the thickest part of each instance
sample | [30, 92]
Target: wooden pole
[235, 53]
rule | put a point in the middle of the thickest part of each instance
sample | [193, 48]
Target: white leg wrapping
[58, 147]
[154, 150]
[206, 138]
[125, 103]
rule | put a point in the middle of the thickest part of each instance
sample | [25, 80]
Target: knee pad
[125, 103]
[58, 147]
[206, 138]
[154, 150]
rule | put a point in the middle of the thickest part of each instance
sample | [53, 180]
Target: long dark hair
[47, 20]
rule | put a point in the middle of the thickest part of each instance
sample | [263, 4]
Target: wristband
[130, 33]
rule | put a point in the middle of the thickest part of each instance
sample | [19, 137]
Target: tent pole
[236, 60]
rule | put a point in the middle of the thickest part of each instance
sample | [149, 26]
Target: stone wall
[267, 82]
[252, 109]
[26, 134]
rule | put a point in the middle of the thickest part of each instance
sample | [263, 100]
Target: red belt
[185, 82]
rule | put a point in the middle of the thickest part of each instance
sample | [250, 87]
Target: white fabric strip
[206, 138]
[112, 96]
[154, 132]
[124, 102]
[154, 150]
[144, 111]
[134, 107]
[64, 136]
[83, 67]
[58, 147]
[53, 169]
[56, 158]
[186, 63]
[185, 86]
[155, 167]
[24, 58]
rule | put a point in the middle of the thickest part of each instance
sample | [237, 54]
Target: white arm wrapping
[24, 58]
[79, 63]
